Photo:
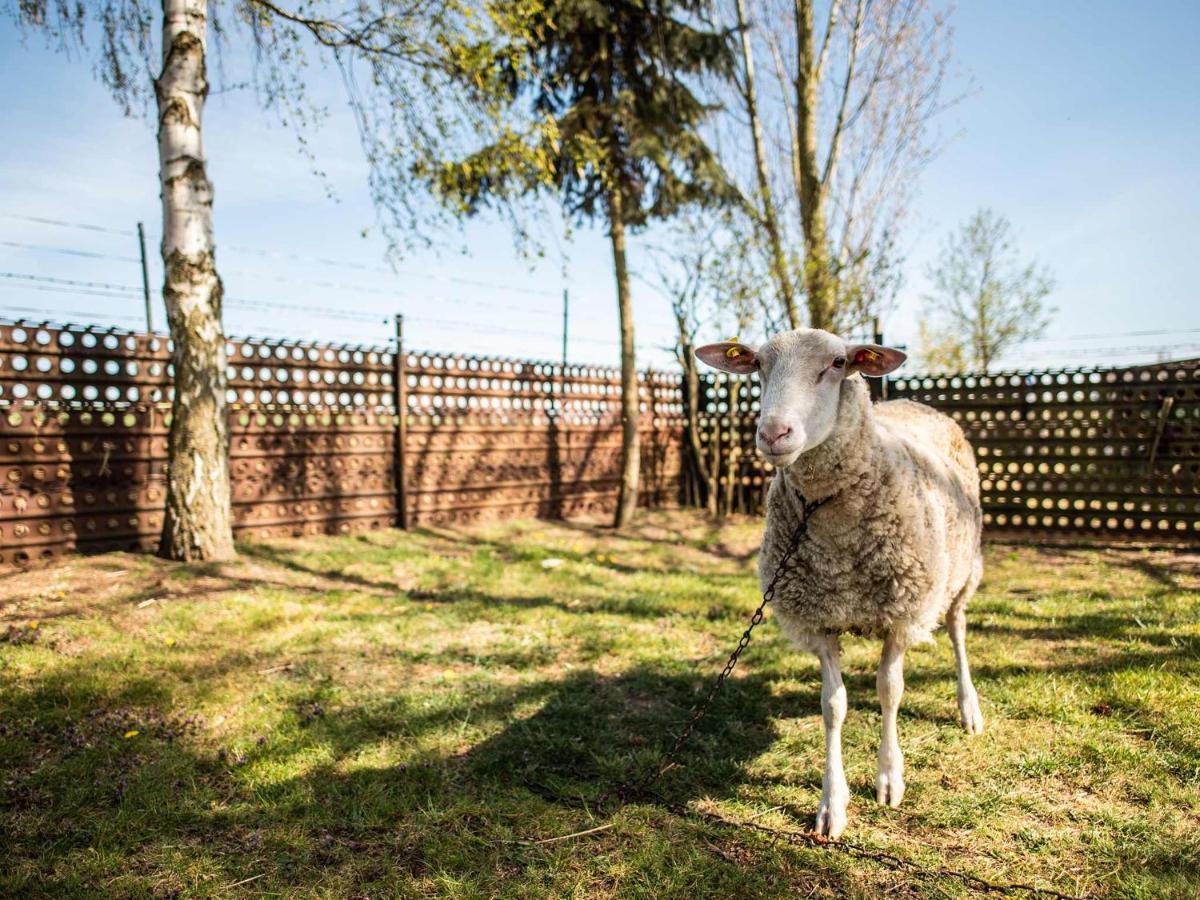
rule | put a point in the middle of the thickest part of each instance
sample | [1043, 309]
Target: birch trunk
[630, 448]
[197, 521]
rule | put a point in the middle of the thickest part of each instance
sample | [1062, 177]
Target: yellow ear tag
[733, 352]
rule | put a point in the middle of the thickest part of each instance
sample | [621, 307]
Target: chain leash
[667, 761]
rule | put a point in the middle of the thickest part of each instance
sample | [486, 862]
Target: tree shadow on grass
[344, 821]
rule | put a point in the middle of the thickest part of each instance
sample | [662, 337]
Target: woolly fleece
[897, 540]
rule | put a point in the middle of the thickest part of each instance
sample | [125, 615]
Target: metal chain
[667, 760]
[809, 840]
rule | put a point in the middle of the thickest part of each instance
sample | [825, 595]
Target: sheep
[892, 548]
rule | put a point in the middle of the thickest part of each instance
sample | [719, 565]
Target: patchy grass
[381, 715]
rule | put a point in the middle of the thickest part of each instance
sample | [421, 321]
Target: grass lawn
[379, 716]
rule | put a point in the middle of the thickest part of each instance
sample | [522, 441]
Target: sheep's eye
[839, 362]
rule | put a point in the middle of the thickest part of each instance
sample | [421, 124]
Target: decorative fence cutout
[84, 415]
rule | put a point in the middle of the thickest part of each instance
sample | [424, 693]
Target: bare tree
[403, 47]
[985, 299]
[836, 138]
[701, 268]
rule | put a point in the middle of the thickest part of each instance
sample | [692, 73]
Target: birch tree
[196, 520]
[403, 47]
[834, 135]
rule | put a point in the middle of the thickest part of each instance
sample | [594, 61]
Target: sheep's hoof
[889, 788]
[831, 818]
[969, 713]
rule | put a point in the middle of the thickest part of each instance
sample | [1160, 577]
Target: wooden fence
[1085, 454]
[317, 446]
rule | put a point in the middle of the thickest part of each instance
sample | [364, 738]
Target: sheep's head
[802, 373]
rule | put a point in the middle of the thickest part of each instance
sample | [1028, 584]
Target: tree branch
[789, 111]
[819, 70]
[835, 140]
[337, 35]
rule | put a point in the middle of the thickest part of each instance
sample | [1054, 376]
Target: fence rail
[317, 445]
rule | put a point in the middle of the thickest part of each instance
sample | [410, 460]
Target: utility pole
[145, 277]
[878, 338]
[400, 436]
[566, 310]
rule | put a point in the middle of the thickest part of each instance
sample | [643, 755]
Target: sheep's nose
[773, 430]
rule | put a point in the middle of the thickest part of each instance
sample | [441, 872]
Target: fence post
[145, 277]
[566, 309]
[878, 337]
[400, 438]
[563, 381]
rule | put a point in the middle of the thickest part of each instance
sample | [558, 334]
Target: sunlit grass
[382, 715]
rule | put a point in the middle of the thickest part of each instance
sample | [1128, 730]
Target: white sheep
[894, 545]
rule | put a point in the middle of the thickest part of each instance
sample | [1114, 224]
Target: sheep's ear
[873, 360]
[729, 356]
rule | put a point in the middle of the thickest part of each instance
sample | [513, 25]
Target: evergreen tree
[595, 102]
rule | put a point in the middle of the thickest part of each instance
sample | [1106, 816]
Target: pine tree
[595, 102]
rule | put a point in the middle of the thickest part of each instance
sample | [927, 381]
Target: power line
[83, 292]
[71, 282]
[325, 261]
[119, 291]
[363, 289]
[59, 222]
[238, 248]
[363, 267]
[1107, 351]
[68, 251]
[458, 324]
[1114, 334]
[83, 314]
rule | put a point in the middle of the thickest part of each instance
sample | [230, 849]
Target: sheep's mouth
[779, 460]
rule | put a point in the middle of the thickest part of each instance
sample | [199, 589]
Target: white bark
[197, 521]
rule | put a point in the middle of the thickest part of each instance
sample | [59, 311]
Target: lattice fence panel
[85, 413]
[491, 437]
[1085, 453]
[1089, 452]
[84, 438]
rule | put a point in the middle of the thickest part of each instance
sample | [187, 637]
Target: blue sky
[1081, 124]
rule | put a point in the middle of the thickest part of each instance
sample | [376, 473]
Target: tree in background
[852, 87]
[985, 301]
[403, 48]
[592, 103]
[703, 271]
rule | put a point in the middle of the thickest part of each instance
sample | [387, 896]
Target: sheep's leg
[969, 713]
[889, 783]
[835, 793]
